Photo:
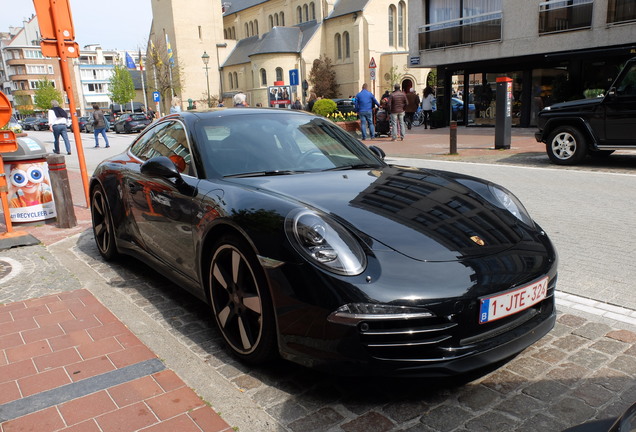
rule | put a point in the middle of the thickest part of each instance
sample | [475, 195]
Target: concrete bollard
[61, 191]
[453, 137]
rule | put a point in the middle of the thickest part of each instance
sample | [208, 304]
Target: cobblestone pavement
[582, 370]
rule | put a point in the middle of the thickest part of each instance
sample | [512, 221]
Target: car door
[620, 109]
[162, 210]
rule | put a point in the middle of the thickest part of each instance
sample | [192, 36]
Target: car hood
[581, 104]
[426, 215]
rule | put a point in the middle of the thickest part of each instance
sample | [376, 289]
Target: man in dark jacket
[413, 102]
[397, 103]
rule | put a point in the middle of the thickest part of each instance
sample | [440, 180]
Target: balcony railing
[620, 11]
[462, 31]
[565, 15]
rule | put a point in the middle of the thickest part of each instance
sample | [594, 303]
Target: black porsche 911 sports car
[307, 245]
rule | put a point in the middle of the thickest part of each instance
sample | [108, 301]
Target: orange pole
[66, 80]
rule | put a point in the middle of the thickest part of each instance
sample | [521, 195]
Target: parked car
[596, 127]
[129, 123]
[27, 123]
[81, 121]
[14, 125]
[42, 123]
[307, 244]
[344, 105]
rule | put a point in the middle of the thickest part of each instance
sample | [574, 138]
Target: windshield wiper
[264, 173]
[349, 167]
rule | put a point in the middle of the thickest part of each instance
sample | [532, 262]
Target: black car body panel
[432, 240]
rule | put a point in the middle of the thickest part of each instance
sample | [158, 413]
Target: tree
[122, 88]
[431, 79]
[45, 93]
[163, 75]
[323, 78]
[393, 77]
[23, 102]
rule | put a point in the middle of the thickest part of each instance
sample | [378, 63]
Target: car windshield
[274, 144]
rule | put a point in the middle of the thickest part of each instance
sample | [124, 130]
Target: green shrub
[324, 107]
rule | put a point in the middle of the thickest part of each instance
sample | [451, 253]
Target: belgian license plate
[502, 305]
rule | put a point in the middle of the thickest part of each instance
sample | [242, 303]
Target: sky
[114, 24]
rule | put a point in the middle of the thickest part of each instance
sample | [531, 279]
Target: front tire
[241, 301]
[566, 146]
[103, 228]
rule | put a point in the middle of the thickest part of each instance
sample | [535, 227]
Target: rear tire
[566, 146]
[241, 301]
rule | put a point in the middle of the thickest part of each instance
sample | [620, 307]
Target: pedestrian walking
[240, 100]
[427, 106]
[175, 106]
[363, 105]
[413, 102]
[311, 101]
[397, 103]
[99, 125]
[58, 119]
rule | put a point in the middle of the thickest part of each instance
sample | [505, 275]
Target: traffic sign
[372, 74]
[372, 64]
[293, 77]
[156, 96]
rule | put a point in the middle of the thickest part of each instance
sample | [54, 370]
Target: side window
[627, 86]
[170, 141]
[139, 148]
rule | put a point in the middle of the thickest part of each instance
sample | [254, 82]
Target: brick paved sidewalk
[68, 364]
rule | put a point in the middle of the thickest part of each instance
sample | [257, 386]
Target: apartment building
[553, 51]
[255, 44]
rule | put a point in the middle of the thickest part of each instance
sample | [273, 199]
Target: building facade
[553, 50]
[256, 44]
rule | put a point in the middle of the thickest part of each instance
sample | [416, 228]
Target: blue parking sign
[156, 96]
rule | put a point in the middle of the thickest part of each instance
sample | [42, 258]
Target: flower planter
[349, 126]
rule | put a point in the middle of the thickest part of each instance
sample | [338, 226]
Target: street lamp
[206, 59]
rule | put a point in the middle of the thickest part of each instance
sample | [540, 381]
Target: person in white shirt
[427, 105]
[58, 119]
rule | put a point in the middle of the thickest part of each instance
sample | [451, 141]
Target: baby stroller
[382, 123]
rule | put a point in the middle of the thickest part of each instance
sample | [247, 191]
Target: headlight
[511, 203]
[324, 242]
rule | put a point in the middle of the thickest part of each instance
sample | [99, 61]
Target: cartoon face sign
[28, 185]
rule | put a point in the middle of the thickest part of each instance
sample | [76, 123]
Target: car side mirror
[160, 166]
[612, 91]
[378, 152]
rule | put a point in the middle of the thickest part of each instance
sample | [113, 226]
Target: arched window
[224, 33]
[312, 10]
[347, 45]
[299, 13]
[282, 18]
[276, 20]
[391, 25]
[230, 80]
[271, 22]
[251, 28]
[263, 77]
[233, 33]
[236, 84]
[338, 46]
[256, 26]
[279, 74]
[247, 30]
[306, 12]
[401, 15]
